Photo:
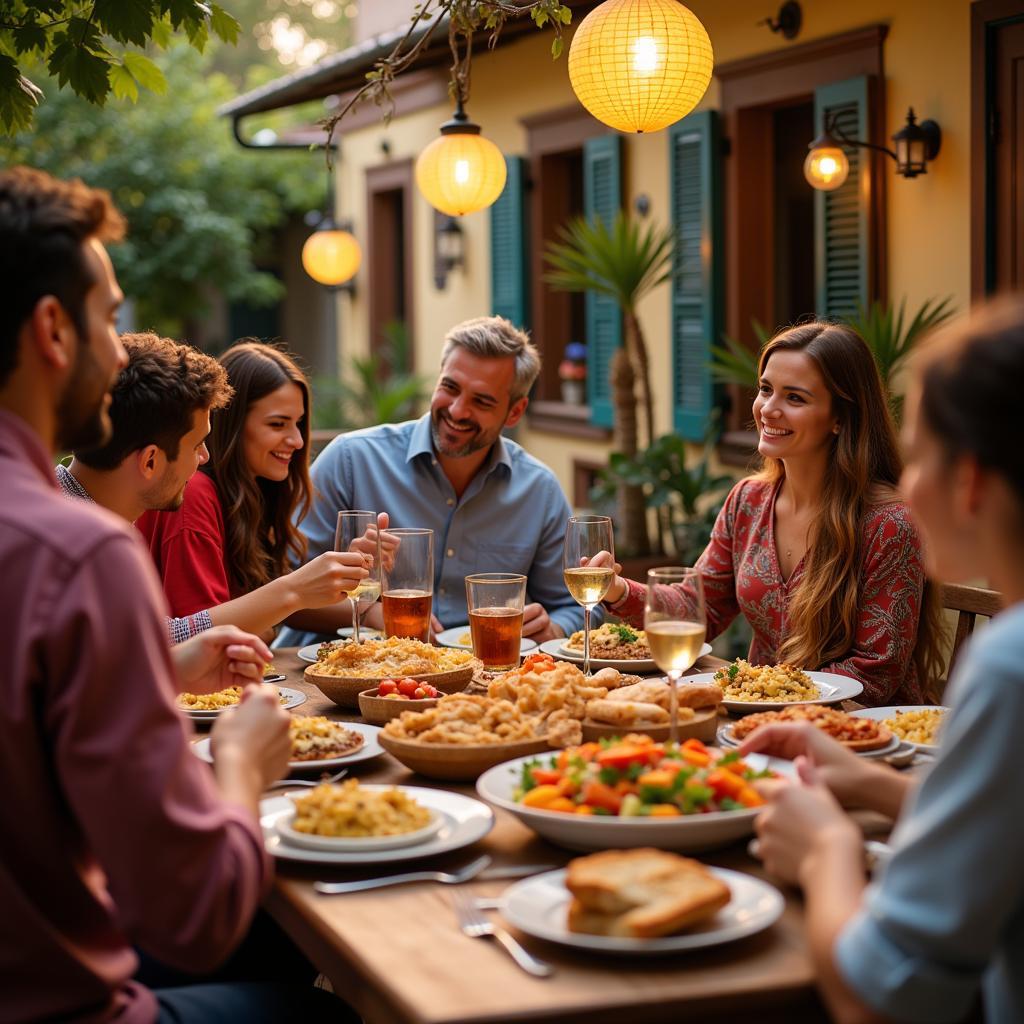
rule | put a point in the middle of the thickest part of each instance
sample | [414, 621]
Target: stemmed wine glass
[675, 621]
[585, 536]
[360, 526]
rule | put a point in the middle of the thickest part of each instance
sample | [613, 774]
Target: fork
[288, 783]
[475, 925]
[464, 874]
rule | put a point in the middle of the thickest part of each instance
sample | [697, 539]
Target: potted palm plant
[624, 261]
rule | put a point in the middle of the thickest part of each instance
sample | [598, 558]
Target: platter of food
[866, 736]
[205, 707]
[617, 795]
[643, 902]
[917, 724]
[459, 636]
[748, 688]
[342, 673]
[611, 646]
[309, 652]
[351, 817]
[644, 707]
[463, 821]
[319, 744]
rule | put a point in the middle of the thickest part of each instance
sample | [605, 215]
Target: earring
[835, 429]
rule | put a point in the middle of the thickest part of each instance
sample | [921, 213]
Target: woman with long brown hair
[945, 918]
[817, 550]
[236, 533]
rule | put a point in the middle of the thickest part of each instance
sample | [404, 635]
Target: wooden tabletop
[397, 956]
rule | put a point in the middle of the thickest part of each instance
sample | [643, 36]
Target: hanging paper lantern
[331, 255]
[460, 172]
[640, 65]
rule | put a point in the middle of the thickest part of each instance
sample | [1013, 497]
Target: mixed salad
[637, 777]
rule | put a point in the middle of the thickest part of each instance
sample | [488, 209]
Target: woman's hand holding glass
[617, 587]
[328, 578]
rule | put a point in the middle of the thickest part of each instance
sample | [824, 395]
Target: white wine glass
[675, 621]
[355, 531]
[585, 536]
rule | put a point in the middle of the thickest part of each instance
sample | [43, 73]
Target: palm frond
[623, 260]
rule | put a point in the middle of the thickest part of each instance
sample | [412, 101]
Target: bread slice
[641, 893]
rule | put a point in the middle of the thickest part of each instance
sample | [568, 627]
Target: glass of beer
[495, 602]
[357, 531]
[585, 536]
[408, 584]
[675, 621]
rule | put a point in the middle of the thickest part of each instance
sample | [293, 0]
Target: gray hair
[494, 337]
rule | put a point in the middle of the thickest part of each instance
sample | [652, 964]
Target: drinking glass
[585, 536]
[675, 621]
[408, 584]
[495, 602]
[360, 526]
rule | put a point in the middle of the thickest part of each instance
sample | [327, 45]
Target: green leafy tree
[85, 46]
[201, 211]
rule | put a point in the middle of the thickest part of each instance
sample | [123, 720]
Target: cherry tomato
[408, 687]
[387, 686]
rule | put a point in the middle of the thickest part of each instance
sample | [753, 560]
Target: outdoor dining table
[398, 957]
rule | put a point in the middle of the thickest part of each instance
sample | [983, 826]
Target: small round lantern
[331, 255]
[826, 166]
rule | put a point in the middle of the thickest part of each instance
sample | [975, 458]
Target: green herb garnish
[624, 633]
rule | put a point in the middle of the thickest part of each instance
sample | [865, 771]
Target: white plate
[632, 666]
[881, 714]
[832, 688]
[370, 749]
[726, 738]
[350, 844]
[293, 698]
[365, 632]
[539, 907]
[465, 822]
[452, 638]
[308, 653]
[685, 834]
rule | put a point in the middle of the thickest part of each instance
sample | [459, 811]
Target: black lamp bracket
[933, 138]
[788, 21]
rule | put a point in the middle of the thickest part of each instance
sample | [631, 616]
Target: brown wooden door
[1008, 158]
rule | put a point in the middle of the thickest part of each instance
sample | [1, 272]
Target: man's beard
[82, 418]
[473, 443]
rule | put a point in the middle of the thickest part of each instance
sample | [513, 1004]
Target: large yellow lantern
[460, 172]
[826, 166]
[331, 255]
[640, 65]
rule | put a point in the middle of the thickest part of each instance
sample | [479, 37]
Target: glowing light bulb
[645, 55]
[461, 172]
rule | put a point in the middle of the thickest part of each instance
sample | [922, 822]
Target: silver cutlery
[476, 926]
[479, 869]
[288, 783]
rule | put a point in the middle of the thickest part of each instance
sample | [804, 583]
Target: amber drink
[407, 583]
[407, 613]
[495, 603]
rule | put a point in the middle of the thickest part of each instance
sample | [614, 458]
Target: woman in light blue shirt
[946, 916]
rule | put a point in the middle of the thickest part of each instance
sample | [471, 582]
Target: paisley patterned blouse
[741, 573]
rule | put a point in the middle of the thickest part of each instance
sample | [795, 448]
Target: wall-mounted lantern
[449, 248]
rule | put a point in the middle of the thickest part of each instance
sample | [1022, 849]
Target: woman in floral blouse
[816, 550]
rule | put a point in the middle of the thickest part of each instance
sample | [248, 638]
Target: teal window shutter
[695, 184]
[510, 293]
[602, 198]
[842, 218]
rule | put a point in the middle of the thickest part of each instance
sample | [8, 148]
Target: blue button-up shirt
[511, 517]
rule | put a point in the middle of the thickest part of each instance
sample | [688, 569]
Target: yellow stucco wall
[927, 63]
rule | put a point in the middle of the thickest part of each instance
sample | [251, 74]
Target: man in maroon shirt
[112, 832]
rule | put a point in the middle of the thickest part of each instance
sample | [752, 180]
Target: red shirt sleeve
[188, 549]
[185, 870]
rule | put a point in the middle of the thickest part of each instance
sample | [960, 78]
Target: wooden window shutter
[602, 198]
[510, 291]
[842, 218]
[695, 184]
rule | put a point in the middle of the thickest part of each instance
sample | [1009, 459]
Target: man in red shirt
[113, 833]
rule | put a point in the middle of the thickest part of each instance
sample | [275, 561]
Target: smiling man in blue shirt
[492, 507]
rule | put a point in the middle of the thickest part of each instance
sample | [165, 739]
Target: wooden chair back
[969, 603]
